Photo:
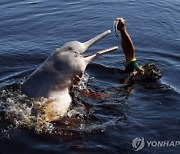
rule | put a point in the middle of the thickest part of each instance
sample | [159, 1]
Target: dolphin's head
[71, 56]
[82, 47]
[72, 53]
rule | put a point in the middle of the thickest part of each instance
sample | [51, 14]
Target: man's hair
[152, 71]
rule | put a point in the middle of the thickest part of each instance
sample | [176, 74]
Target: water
[31, 30]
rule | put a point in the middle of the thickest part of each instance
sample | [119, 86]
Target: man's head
[149, 72]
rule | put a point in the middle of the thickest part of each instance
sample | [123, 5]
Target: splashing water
[25, 112]
[21, 110]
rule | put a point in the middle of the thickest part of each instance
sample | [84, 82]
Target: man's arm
[126, 42]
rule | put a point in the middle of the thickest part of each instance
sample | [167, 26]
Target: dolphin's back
[38, 84]
[46, 79]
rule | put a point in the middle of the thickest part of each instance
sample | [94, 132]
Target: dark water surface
[30, 30]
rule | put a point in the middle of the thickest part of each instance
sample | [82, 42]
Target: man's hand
[121, 23]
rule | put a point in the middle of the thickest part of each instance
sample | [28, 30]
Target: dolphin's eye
[70, 48]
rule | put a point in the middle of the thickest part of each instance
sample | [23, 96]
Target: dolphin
[54, 78]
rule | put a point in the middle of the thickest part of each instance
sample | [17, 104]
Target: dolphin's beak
[88, 59]
[89, 43]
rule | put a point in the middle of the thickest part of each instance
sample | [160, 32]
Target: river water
[30, 30]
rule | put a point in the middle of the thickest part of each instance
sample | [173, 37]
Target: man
[135, 72]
